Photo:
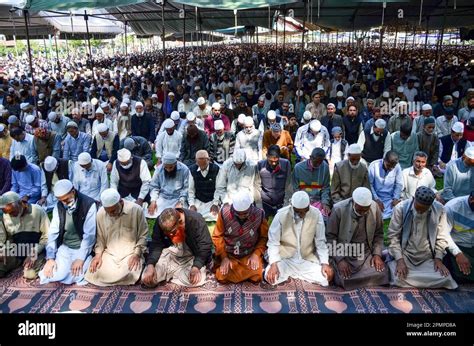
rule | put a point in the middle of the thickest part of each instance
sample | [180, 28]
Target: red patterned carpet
[295, 296]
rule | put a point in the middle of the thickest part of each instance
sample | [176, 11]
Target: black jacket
[197, 238]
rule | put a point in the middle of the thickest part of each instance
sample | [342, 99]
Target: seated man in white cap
[58, 123]
[107, 111]
[297, 244]
[313, 136]
[168, 141]
[267, 122]
[240, 240]
[25, 225]
[83, 124]
[202, 185]
[76, 142]
[221, 144]
[5, 142]
[22, 144]
[452, 146]
[186, 104]
[419, 122]
[202, 109]
[459, 176]
[130, 176]
[190, 119]
[215, 115]
[349, 174]
[46, 143]
[193, 141]
[52, 171]
[33, 122]
[139, 147]
[169, 185]
[143, 124]
[180, 249]
[386, 182]
[121, 242]
[100, 119]
[123, 122]
[375, 142]
[419, 235]
[105, 145]
[237, 124]
[356, 226]
[90, 176]
[250, 140]
[26, 179]
[236, 174]
[71, 236]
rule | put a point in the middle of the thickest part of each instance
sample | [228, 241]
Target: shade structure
[42, 5]
[234, 4]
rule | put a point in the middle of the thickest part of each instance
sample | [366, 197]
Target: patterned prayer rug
[20, 296]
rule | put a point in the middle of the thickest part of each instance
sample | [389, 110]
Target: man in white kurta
[121, 242]
[313, 136]
[251, 140]
[168, 141]
[417, 175]
[297, 244]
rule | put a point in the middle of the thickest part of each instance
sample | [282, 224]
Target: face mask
[126, 166]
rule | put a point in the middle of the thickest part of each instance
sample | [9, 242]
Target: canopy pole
[438, 48]
[200, 31]
[86, 19]
[427, 31]
[25, 15]
[67, 46]
[396, 37]
[45, 50]
[125, 46]
[300, 70]
[276, 30]
[184, 29]
[163, 37]
[382, 32]
[284, 30]
[14, 35]
[406, 37]
[337, 38]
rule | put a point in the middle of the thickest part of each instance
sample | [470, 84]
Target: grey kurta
[418, 250]
[345, 180]
[118, 238]
[364, 233]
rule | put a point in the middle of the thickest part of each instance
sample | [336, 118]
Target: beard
[354, 166]
[172, 174]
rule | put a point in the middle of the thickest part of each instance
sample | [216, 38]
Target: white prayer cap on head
[239, 156]
[241, 118]
[155, 96]
[386, 94]
[400, 89]
[402, 103]
[71, 124]
[222, 102]
[201, 101]
[168, 158]
[50, 164]
[41, 96]
[62, 187]
[315, 125]
[339, 94]
[126, 100]
[458, 127]
[331, 105]
[2, 127]
[320, 87]
[52, 116]
[109, 198]
[216, 106]
[218, 125]
[426, 107]
[456, 94]
[191, 116]
[248, 121]
[307, 115]
[300, 200]
[138, 104]
[362, 196]
[350, 98]
[261, 98]
[380, 124]
[99, 111]
[168, 124]
[104, 104]
[242, 201]
[123, 105]
[354, 149]
[24, 105]
[84, 158]
[102, 127]
[271, 115]
[174, 115]
[123, 155]
[469, 152]
[30, 118]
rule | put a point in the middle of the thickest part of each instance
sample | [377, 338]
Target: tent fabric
[41, 5]
[233, 4]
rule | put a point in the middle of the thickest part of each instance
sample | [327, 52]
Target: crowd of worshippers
[291, 175]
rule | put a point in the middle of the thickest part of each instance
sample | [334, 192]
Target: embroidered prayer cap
[354, 149]
[242, 201]
[300, 200]
[380, 124]
[218, 125]
[8, 197]
[239, 156]
[362, 196]
[84, 158]
[424, 195]
[168, 124]
[109, 197]
[458, 127]
[174, 115]
[169, 158]
[123, 155]
[62, 187]
[50, 164]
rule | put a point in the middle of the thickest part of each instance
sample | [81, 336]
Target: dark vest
[62, 172]
[273, 182]
[129, 179]
[448, 145]
[205, 187]
[83, 205]
[351, 129]
[373, 150]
